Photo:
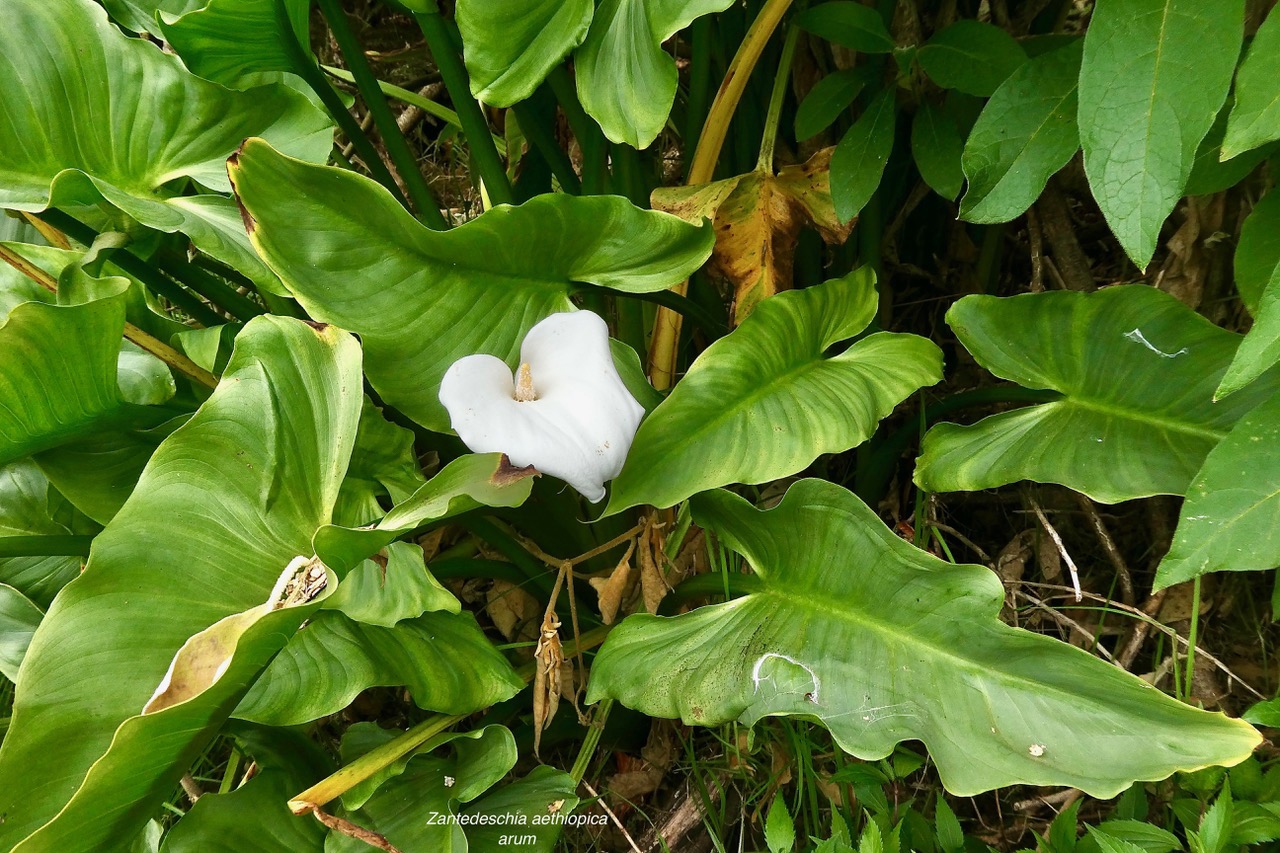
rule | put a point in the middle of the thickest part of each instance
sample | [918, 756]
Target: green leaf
[829, 97]
[19, 618]
[466, 483]
[1026, 132]
[971, 57]
[764, 402]
[538, 797]
[421, 299]
[851, 25]
[626, 81]
[391, 589]
[1215, 826]
[1147, 837]
[880, 642]
[234, 42]
[936, 145]
[1209, 173]
[511, 45]
[860, 158]
[1230, 521]
[227, 502]
[1265, 713]
[950, 835]
[31, 506]
[1154, 74]
[1257, 258]
[872, 840]
[142, 16]
[779, 829]
[1136, 370]
[1255, 117]
[74, 107]
[252, 817]
[1110, 844]
[443, 659]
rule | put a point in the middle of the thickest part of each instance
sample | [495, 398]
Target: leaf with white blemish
[849, 625]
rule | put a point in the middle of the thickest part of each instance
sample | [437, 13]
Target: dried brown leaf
[613, 589]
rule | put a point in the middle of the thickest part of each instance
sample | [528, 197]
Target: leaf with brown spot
[758, 217]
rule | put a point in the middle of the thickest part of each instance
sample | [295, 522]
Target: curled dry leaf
[548, 673]
[613, 589]
[653, 586]
[758, 217]
[512, 609]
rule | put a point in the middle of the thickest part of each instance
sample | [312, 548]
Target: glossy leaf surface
[881, 642]
[1257, 266]
[511, 45]
[1255, 116]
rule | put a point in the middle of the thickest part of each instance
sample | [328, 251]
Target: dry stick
[191, 787]
[963, 540]
[1140, 630]
[1151, 622]
[346, 827]
[599, 799]
[1062, 549]
[666, 324]
[1061, 798]
[1063, 619]
[1109, 545]
[1037, 250]
[155, 346]
[1056, 219]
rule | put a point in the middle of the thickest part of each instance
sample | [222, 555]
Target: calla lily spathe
[565, 411]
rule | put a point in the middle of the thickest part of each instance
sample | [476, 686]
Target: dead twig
[1065, 620]
[1108, 544]
[346, 827]
[599, 799]
[1057, 540]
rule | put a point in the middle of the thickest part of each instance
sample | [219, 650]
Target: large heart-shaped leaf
[626, 81]
[1026, 132]
[229, 41]
[1136, 370]
[444, 660]
[881, 642]
[93, 114]
[1255, 116]
[225, 505]
[1231, 518]
[758, 217]
[764, 402]
[511, 45]
[252, 817]
[421, 299]
[1154, 74]
[30, 506]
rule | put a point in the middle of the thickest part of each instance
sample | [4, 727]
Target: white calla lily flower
[566, 412]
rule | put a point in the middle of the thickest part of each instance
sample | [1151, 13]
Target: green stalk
[305, 67]
[770, 138]
[537, 131]
[210, 287]
[591, 741]
[397, 146]
[669, 299]
[590, 138]
[699, 85]
[45, 546]
[474, 125]
[1191, 640]
[138, 268]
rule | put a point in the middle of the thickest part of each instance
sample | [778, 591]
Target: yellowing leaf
[758, 217]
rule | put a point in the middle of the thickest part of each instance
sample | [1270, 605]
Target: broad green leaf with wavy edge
[881, 642]
[466, 483]
[1026, 133]
[510, 46]
[19, 618]
[252, 817]
[401, 807]
[763, 402]
[1255, 115]
[971, 57]
[223, 507]
[1257, 267]
[70, 127]
[143, 16]
[1136, 370]
[1154, 74]
[859, 160]
[390, 589]
[626, 81]
[31, 506]
[235, 41]
[421, 299]
[444, 660]
[1230, 521]
[383, 465]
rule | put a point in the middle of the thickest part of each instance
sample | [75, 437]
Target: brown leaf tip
[506, 473]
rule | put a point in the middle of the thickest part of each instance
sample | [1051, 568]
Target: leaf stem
[45, 546]
[304, 66]
[590, 138]
[666, 325]
[397, 146]
[776, 97]
[591, 741]
[1190, 669]
[474, 125]
[538, 132]
[156, 347]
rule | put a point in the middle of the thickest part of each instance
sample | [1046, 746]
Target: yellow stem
[155, 346]
[666, 326]
[47, 231]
